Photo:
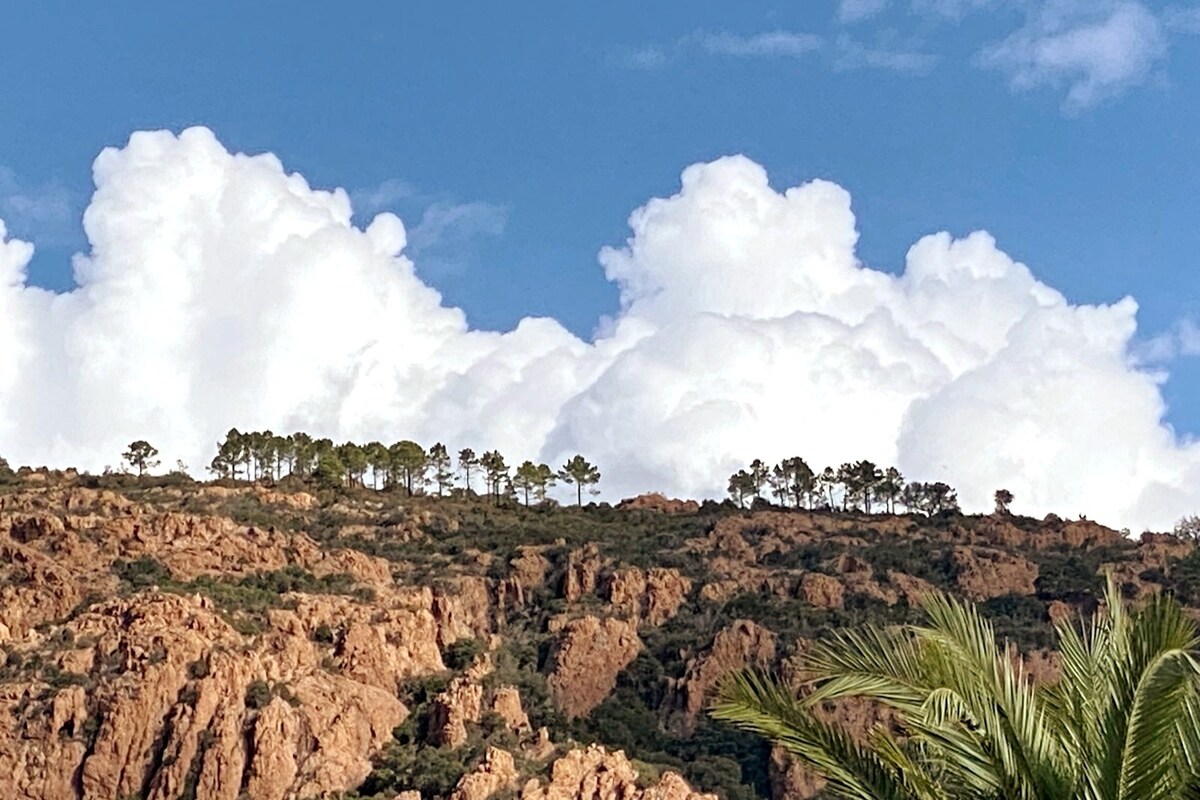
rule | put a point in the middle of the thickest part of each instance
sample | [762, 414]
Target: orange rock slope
[156, 645]
[111, 693]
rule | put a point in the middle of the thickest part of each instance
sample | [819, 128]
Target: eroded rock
[650, 596]
[741, 645]
[985, 572]
[588, 655]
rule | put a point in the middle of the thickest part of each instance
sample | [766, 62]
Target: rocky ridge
[229, 641]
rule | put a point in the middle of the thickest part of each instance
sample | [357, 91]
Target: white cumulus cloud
[222, 291]
[1094, 48]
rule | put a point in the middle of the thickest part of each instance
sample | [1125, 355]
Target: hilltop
[162, 638]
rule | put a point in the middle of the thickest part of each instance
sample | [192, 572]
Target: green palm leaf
[1122, 723]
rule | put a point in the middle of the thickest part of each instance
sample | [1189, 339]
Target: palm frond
[1121, 723]
[1152, 744]
[757, 703]
[885, 665]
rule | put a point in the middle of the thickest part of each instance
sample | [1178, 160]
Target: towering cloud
[222, 291]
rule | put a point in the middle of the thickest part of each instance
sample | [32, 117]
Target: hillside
[166, 639]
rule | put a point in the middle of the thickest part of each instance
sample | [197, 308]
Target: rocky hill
[164, 639]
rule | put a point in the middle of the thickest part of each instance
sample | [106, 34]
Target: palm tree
[1122, 723]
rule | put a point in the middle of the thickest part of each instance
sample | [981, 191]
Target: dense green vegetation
[243, 601]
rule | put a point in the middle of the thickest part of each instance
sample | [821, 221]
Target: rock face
[527, 572]
[463, 610]
[743, 644]
[156, 695]
[859, 578]
[822, 591]
[494, 774]
[791, 780]
[911, 588]
[34, 590]
[1159, 549]
[175, 679]
[462, 702]
[506, 703]
[650, 596]
[984, 573]
[596, 774]
[656, 501]
[381, 647]
[583, 572]
[588, 656]
[999, 530]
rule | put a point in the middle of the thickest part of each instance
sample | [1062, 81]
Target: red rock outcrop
[858, 576]
[791, 780]
[583, 572]
[588, 656]
[461, 703]
[383, 644]
[463, 610]
[160, 695]
[1160, 549]
[1059, 612]
[741, 645]
[822, 591]
[596, 774]
[527, 573]
[650, 596]
[506, 704]
[985, 572]
[911, 588]
[176, 689]
[656, 501]
[496, 773]
[1000, 530]
[33, 589]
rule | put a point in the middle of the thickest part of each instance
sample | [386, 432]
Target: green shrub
[58, 679]
[142, 572]
[1183, 578]
[433, 771]
[1070, 578]
[462, 654]
[1020, 619]
[258, 694]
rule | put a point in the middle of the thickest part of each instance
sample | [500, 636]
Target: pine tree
[579, 472]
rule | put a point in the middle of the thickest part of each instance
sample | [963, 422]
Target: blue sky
[515, 138]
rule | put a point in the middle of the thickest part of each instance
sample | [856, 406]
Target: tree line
[257, 455]
[858, 486]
